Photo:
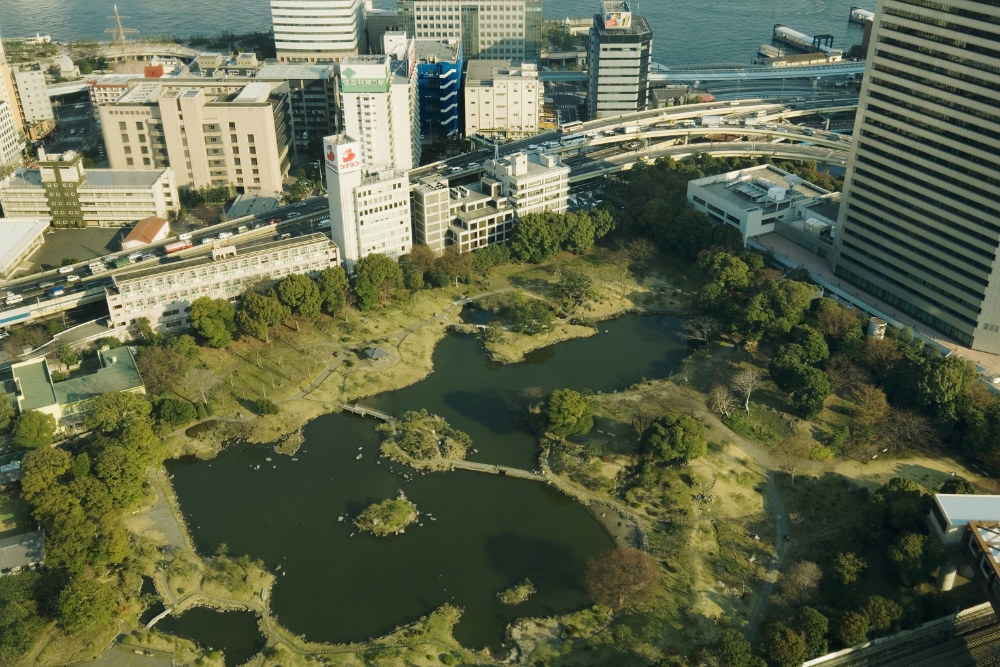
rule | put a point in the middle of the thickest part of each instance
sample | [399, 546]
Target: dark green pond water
[488, 532]
[235, 633]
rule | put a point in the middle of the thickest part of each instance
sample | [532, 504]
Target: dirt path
[782, 541]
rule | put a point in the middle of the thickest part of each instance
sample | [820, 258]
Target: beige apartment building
[210, 132]
[501, 98]
[164, 293]
[480, 214]
[920, 224]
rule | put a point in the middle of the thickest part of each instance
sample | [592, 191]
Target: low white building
[146, 231]
[754, 200]
[501, 98]
[163, 293]
[369, 203]
[61, 189]
[19, 237]
[468, 216]
[534, 182]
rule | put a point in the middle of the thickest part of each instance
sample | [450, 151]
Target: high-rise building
[23, 88]
[506, 30]
[317, 31]
[621, 51]
[379, 100]
[369, 203]
[920, 224]
[209, 131]
[439, 88]
[377, 23]
[502, 99]
[11, 143]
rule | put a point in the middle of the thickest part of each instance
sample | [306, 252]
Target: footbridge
[364, 412]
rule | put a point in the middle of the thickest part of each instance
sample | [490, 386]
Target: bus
[568, 128]
[573, 139]
[177, 246]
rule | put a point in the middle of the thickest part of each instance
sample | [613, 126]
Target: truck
[58, 290]
[711, 121]
[630, 129]
[761, 112]
[124, 261]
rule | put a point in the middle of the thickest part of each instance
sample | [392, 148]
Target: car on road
[13, 298]
[241, 229]
[65, 269]
[207, 240]
[108, 258]
[800, 99]
[294, 214]
[734, 103]
[274, 221]
[324, 223]
[809, 132]
[57, 291]
[473, 165]
[224, 235]
[282, 237]
[185, 237]
[534, 147]
[46, 284]
[257, 225]
[148, 256]
[135, 255]
[72, 278]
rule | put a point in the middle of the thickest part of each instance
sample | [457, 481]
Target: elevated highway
[662, 73]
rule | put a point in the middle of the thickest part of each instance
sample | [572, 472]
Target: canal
[480, 534]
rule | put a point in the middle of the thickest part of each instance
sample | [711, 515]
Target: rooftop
[118, 373]
[285, 71]
[22, 550]
[828, 208]
[145, 230]
[429, 50]
[121, 178]
[484, 72]
[201, 260]
[960, 509]
[751, 188]
[636, 26]
[16, 234]
[35, 385]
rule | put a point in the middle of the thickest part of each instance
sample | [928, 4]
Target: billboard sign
[342, 158]
[618, 20]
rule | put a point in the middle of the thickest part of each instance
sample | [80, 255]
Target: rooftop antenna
[496, 150]
[119, 33]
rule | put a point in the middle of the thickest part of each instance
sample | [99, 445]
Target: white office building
[502, 99]
[369, 203]
[533, 182]
[379, 100]
[11, 144]
[318, 30]
[507, 30]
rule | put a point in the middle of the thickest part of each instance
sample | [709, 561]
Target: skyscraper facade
[497, 29]
[920, 224]
[317, 31]
[621, 51]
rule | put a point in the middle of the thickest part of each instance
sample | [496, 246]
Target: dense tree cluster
[672, 437]
[568, 413]
[539, 236]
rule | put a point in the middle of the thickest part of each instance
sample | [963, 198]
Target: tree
[266, 407]
[111, 410]
[870, 405]
[175, 411]
[144, 330]
[622, 578]
[777, 306]
[122, 472]
[185, 345]
[671, 436]
[959, 485]
[881, 613]
[214, 320]
[333, 286]
[810, 387]
[33, 430]
[735, 651]
[853, 629]
[905, 429]
[834, 320]
[525, 315]
[574, 287]
[416, 264]
[377, 277]
[257, 312]
[489, 257]
[453, 265]
[538, 236]
[800, 581]
[814, 348]
[86, 605]
[744, 382]
[160, 367]
[701, 328]
[813, 626]
[569, 413]
[579, 232]
[603, 222]
[7, 414]
[914, 556]
[880, 354]
[68, 355]
[784, 646]
[722, 401]
[299, 293]
[848, 567]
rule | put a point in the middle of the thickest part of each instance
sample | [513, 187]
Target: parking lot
[75, 244]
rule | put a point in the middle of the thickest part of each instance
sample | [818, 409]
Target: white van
[97, 267]
[13, 298]
[185, 237]
[65, 269]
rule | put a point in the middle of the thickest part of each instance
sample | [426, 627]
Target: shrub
[266, 407]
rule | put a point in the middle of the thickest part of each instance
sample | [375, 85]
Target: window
[145, 161]
[253, 160]
[142, 137]
[250, 138]
[124, 138]
[236, 150]
[122, 126]
[253, 150]
[138, 125]
[128, 150]
[232, 126]
[129, 161]
[144, 149]
[233, 138]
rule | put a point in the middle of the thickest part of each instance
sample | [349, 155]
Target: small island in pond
[420, 439]
[517, 594]
[389, 517]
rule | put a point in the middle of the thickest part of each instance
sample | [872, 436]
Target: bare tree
[870, 405]
[843, 374]
[721, 400]
[834, 320]
[799, 582]
[622, 578]
[879, 354]
[200, 380]
[904, 429]
[641, 249]
[789, 466]
[700, 328]
[744, 382]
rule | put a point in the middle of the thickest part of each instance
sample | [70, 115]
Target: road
[605, 131]
[301, 217]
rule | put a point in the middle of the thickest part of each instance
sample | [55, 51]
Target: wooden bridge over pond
[497, 470]
[364, 412]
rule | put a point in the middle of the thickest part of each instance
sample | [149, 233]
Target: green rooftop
[36, 386]
[118, 373]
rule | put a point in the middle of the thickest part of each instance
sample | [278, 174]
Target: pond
[235, 633]
[480, 534]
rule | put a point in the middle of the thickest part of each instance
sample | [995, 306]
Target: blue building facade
[439, 88]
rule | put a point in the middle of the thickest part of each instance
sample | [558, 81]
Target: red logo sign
[330, 157]
[348, 156]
